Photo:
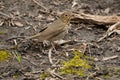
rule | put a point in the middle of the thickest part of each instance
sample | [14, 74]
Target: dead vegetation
[89, 51]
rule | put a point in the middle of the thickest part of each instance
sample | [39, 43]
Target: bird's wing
[51, 30]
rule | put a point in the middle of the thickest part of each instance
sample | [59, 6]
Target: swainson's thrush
[55, 30]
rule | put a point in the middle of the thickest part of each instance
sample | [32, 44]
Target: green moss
[77, 65]
[117, 71]
[4, 55]
[1, 32]
[15, 76]
[106, 76]
[44, 75]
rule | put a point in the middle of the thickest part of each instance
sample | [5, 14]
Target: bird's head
[66, 17]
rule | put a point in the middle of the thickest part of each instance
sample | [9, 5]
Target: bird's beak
[72, 16]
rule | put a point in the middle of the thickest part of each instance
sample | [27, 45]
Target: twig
[55, 74]
[99, 78]
[26, 58]
[15, 37]
[97, 19]
[4, 14]
[111, 30]
[49, 55]
[100, 39]
[109, 58]
[15, 42]
[114, 26]
[91, 75]
[39, 4]
[36, 72]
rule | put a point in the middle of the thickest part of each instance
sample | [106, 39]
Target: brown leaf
[19, 24]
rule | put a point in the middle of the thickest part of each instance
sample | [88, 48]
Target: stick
[39, 4]
[49, 56]
[97, 19]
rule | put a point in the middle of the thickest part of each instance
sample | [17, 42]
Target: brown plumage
[55, 30]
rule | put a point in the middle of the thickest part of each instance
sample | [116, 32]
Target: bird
[55, 30]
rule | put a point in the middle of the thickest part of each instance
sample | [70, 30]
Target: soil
[28, 17]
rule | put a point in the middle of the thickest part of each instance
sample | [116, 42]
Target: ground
[28, 17]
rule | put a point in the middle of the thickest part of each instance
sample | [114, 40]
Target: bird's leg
[51, 43]
[53, 46]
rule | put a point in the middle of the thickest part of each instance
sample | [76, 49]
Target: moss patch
[77, 65]
[44, 75]
[4, 55]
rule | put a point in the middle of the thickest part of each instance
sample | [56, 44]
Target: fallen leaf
[19, 24]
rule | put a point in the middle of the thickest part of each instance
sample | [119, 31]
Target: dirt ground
[28, 17]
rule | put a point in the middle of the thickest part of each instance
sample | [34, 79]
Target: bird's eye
[66, 15]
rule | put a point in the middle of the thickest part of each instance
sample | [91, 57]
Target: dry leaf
[19, 24]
